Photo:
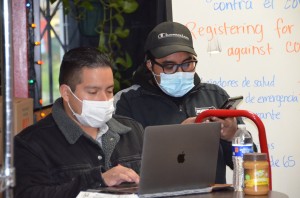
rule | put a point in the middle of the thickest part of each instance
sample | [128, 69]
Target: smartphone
[232, 102]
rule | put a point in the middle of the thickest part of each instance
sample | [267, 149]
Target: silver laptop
[177, 159]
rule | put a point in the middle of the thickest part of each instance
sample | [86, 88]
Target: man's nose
[102, 96]
[179, 69]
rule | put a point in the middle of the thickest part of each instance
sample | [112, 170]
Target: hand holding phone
[232, 102]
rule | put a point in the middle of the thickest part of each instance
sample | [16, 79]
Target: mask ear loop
[154, 75]
[148, 58]
[73, 112]
[74, 94]
[69, 103]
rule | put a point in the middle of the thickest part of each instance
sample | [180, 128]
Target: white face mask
[94, 113]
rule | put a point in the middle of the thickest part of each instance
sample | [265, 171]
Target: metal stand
[7, 173]
[243, 113]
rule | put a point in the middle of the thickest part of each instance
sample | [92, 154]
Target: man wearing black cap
[167, 90]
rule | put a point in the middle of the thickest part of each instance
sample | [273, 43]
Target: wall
[259, 59]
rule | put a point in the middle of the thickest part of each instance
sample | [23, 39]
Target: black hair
[148, 56]
[78, 58]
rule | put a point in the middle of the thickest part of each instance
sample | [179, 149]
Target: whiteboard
[259, 42]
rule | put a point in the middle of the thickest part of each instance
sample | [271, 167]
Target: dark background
[141, 22]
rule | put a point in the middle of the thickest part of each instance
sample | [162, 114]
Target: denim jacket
[55, 158]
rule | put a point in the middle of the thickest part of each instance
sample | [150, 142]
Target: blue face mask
[177, 84]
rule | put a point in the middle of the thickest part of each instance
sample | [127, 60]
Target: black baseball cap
[167, 38]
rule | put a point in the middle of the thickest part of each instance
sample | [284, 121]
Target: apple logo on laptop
[181, 157]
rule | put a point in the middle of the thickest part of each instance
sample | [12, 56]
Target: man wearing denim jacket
[80, 145]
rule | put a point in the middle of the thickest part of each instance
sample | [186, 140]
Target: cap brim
[170, 49]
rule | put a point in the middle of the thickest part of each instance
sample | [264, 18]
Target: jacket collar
[72, 130]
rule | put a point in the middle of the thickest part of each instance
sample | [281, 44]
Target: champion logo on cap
[165, 35]
[168, 38]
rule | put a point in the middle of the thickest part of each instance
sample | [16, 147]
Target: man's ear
[149, 65]
[64, 92]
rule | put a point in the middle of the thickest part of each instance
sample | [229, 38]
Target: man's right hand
[189, 120]
[120, 174]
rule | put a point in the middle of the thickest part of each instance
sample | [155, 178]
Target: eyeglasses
[171, 68]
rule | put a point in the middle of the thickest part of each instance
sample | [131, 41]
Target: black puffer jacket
[54, 158]
[147, 104]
